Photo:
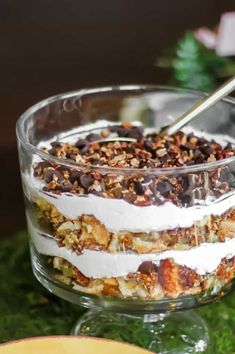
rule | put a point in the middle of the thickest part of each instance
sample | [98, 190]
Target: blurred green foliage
[195, 66]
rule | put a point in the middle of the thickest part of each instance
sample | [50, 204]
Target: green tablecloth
[27, 309]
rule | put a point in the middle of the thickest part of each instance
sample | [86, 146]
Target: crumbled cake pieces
[150, 282]
[86, 232]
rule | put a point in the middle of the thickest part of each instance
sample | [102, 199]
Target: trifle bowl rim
[157, 171]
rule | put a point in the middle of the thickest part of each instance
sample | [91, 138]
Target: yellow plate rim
[38, 338]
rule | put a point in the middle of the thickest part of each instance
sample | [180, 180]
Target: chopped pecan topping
[139, 154]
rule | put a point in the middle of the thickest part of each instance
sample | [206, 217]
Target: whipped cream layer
[97, 264]
[119, 215]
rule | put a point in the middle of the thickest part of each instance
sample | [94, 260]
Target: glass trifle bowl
[136, 227]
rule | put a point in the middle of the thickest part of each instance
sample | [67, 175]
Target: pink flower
[206, 37]
[224, 40]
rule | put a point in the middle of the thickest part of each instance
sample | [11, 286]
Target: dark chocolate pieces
[147, 267]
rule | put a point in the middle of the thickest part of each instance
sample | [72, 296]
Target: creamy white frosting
[98, 264]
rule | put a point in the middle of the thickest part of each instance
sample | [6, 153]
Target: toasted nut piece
[168, 276]
[69, 225]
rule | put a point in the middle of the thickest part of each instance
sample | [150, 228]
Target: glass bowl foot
[177, 332]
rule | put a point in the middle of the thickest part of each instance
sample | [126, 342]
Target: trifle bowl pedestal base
[175, 332]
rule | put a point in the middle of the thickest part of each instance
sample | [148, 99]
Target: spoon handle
[200, 107]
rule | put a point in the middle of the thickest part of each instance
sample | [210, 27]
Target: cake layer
[119, 215]
[88, 232]
[98, 264]
[168, 280]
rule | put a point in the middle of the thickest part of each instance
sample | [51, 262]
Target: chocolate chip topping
[144, 152]
[39, 168]
[81, 143]
[52, 174]
[139, 188]
[152, 150]
[86, 181]
[93, 137]
[164, 186]
[74, 176]
[147, 267]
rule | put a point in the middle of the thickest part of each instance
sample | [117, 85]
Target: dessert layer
[136, 203]
[98, 264]
[150, 282]
[186, 147]
[110, 147]
[88, 232]
[119, 215]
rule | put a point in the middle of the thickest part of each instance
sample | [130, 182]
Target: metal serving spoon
[199, 108]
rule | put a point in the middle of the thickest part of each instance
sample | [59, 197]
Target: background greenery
[195, 66]
[27, 309]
